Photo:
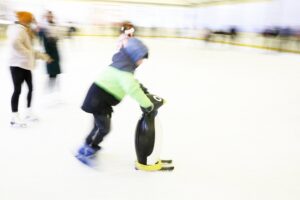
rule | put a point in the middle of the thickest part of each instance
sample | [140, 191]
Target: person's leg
[100, 130]
[28, 79]
[89, 139]
[18, 78]
[29, 113]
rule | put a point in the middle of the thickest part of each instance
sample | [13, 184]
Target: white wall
[250, 16]
[99, 13]
[290, 12]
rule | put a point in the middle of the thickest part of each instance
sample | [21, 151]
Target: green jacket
[120, 83]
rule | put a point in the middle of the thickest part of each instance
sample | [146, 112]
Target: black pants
[20, 75]
[100, 130]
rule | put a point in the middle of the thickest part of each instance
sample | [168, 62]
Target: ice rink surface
[231, 124]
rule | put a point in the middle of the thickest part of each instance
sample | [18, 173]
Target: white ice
[231, 125]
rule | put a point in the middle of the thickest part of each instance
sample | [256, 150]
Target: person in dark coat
[50, 39]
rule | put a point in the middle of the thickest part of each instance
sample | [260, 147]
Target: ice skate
[17, 122]
[30, 116]
[86, 155]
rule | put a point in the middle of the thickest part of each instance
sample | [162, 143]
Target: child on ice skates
[116, 81]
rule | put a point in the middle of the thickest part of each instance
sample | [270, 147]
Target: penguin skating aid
[147, 140]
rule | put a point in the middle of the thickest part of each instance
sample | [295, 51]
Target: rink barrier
[256, 46]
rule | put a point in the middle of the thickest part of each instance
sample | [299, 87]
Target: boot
[30, 116]
[86, 155]
[16, 121]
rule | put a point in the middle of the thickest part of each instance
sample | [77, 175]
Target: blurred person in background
[233, 32]
[50, 34]
[71, 30]
[270, 35]
[22, 61]
[285, 37]
[126, 30]
[207, 34]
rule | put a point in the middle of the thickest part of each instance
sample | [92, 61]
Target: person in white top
[127, 30]
[21, 60]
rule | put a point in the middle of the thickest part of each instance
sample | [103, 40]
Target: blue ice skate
[86, 155]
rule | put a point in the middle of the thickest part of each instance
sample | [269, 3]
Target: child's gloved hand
[157, 103]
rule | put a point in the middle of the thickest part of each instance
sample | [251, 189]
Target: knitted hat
[136, 49]
[24, 17]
